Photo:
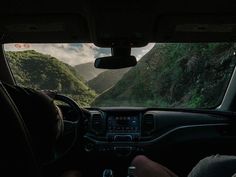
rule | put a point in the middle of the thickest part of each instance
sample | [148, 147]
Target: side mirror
[115, 62]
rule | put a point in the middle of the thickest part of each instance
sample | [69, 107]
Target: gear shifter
[131, 171]
[107, 173]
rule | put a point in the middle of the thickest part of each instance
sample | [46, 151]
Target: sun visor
[198, 28]
[43, 28]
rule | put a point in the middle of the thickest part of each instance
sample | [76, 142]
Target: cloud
[73, 54]
[141, 51]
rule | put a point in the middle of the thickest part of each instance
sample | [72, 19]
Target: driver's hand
[50, 93]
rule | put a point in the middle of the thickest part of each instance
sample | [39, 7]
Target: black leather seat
[42, 119]
[16, 155]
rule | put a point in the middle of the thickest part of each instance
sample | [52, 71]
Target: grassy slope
[39, 71]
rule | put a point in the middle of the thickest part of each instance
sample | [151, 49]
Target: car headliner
[108, 23]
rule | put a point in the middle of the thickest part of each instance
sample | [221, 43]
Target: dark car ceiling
[107, 23]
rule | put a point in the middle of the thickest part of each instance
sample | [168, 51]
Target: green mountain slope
[87, 71]
[106, 79]
[39, 71]
[175, 75]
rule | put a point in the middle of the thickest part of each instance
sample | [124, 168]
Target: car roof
[107, 23]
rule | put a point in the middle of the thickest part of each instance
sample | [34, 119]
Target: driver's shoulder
[27, 95]
[15, 90]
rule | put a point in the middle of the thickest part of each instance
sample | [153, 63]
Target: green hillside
[39, 71]
[87, 71]
[175, 75]
[106, 79]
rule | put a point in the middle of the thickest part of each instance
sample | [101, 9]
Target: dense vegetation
[39, 71]
[106, 79]
[175, 75]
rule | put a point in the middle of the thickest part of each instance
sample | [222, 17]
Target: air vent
[148, 124]
[97, 123]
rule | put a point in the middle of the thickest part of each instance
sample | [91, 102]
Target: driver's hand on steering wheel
[51, 93]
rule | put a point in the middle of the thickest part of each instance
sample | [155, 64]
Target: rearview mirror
[115, 62]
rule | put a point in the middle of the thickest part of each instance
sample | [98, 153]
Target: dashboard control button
[122, 138]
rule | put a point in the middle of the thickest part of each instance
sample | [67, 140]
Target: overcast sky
[73, 54]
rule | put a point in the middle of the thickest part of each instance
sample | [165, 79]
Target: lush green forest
[175, 75]
[39, 71]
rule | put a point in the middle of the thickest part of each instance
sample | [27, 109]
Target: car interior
[97, 138]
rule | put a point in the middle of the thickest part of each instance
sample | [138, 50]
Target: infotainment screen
[124, 124]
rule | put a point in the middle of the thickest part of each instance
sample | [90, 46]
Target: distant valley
[87, 71]
[106, 79]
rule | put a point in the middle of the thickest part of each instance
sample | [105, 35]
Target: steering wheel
[73, 130]
[75, 107]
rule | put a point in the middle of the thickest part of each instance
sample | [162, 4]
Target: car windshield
[168, 75]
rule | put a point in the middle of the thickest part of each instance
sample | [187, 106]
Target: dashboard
[132, 130]
[112, 136]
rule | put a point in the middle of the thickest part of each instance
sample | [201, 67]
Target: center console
[116, 131]
[123, 127]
